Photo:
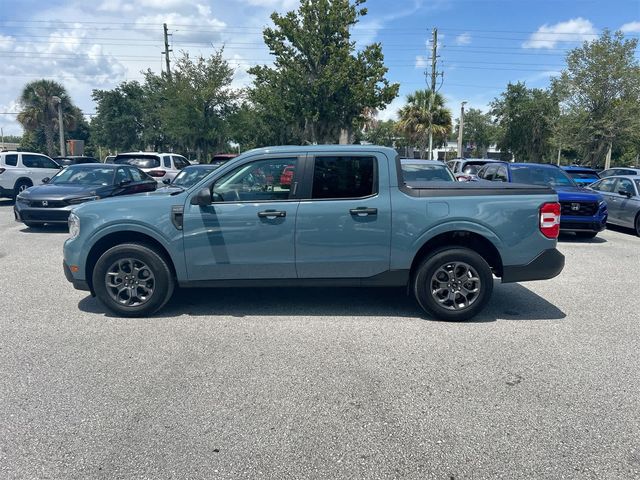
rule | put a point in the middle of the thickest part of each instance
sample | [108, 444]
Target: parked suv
[161, 166]
[21, 170]
[584, 212]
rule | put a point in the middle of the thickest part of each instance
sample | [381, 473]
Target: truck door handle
[272, 214]
[363, 211]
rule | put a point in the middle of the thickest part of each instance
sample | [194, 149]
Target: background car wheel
[586, 234]
[638, 224]
[20, 187]
[132, 280]
[453, 284]
[34, 224]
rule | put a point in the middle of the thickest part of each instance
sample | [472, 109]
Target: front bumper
[577, 224]
[546, 265]
[77, 284]
[42, 215]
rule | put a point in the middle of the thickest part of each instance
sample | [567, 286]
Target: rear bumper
[546, 265]
[77, 284]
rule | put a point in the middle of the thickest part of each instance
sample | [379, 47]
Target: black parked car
[76, 184]
[74, 160]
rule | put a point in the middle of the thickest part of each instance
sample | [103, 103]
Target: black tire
[20, 186]
[437, 302]
[34, 224]
[152, 289]
[637, 224]
[586, 235]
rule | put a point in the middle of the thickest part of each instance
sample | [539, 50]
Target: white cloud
[549, 36]
[631, 27]
[196, 26]
[114, 6]
[391, 112]
[463, 39]
[275, 4]
[421, 61]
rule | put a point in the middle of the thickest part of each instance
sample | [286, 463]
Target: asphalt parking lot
[320, 383]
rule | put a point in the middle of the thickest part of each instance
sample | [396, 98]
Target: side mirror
[625, 193]
[202, 198]
[125, 182]
[166, 181]
[46, 180]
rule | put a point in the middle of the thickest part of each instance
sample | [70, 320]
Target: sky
[482, 44]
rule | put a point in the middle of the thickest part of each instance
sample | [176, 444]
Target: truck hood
[577, 194]
[130, 205]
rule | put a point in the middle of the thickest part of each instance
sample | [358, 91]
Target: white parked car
[161, 166]
[21, 170]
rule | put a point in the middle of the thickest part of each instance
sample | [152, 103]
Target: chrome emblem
[45, 203]
[575, 207]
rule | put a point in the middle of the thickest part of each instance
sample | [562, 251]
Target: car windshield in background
[417, 172]
[145, 161]
[84, 176]
[473, 167]
[532, 175]
[190, 176]
[584, 175]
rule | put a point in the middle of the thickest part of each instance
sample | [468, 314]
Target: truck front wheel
[132, 280]
[453, 284]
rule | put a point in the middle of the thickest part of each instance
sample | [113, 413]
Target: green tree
[600, 89]
[384, 133]
[478, 131]
[120, 117]
[39, 111]
[319, 84]
[526, 120]
[416, 118]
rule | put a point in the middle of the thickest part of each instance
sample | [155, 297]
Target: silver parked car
[622, 194]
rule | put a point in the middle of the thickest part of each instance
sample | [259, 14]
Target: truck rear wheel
[132, 280]
[453, 284]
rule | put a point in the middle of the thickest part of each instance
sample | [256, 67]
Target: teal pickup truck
[340, 215]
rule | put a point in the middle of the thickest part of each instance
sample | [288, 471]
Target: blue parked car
[583, 176]
[584, 212]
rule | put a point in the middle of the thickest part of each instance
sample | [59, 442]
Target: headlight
[21, 199]
[75, 201]
[74, 225]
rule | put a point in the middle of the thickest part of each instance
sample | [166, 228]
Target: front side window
[501, 174]
[625, 186]
[605, 185]
[137, 175]
[344, 177]
[180, 162]
[490, 172]
[121, 176]
[260, 181]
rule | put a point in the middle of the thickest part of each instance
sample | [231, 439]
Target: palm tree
[39, 110]
[416, 118]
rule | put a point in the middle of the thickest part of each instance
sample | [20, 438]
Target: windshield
[190, 176]
[533, 175]
[84, 176]
[420, 172]
[142, 161]
[578, 175]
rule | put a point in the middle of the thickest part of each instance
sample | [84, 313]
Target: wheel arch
[120, 237]
[461, 238]
[22, 180]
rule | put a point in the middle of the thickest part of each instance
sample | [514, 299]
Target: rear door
[344, 221]
[248, 230]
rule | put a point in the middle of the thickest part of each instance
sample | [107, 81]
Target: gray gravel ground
[320, 383]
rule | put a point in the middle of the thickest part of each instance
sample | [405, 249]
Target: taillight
[157, 173]
[550, 219]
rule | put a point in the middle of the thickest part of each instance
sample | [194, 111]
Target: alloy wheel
[130, 282]
[455, 286]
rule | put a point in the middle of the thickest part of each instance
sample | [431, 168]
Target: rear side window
[38, 161]
[344, 177]
[136, 174]
[11, 160]
[501, 174]
[490, 172]
[145, 161]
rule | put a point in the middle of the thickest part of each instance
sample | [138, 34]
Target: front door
[344, 226]
[248, 230]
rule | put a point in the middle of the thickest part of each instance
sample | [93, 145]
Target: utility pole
[167, 50]
[461, 129]
[58, 100]
[434, 74]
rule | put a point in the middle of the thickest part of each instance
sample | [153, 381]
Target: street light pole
[60, 124]
[460, 130]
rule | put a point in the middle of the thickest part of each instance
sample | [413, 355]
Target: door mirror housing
[202, 198]
[46, 180]
[166, 181]
[625, 193]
